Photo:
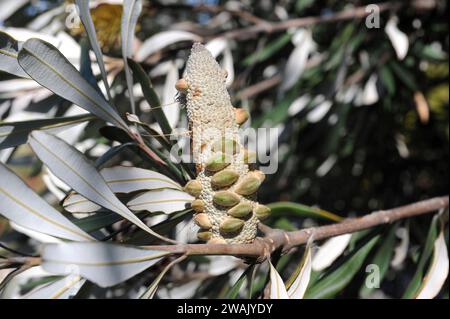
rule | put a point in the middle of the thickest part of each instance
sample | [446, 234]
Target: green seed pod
[204, 235]
[248, 185]
[226, 198]
[231, 225]
[218, 162]
[224, 178]
[249, 157]
[226, 146]
[262, 212]
[193, 188]
[202, 220]
[198, 205]
[241, 210]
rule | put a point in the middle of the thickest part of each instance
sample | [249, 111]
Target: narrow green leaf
[341, 277]
[63, 288]
[151, 97]
[234, 291]
[283, 208]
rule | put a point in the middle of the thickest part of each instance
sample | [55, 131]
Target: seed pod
[241, 116]
[248, 185]
[226, 146]
[249, 157]
[202, 220]
[181, 85]
[204, 235]
[217, 240]
[193, 187]
[262, 212]
[218, 162]
[224, 178]
[241, 210]
[260, 175]
[226, 198]
[231, 225]
[198, 205]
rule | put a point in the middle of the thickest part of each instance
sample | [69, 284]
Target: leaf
[416, 281]
[151, 97]
[301, 276]
[21, 205]
[285, 208]
[269, 50]
[381, 259]
[164, 200]
[277, 288]
[162, 40]
[75, 170]
[438, 271]
[296, 63]
[234, 291]
[16, 133]
[86, 19]
[63, 288]
[102, 263]
[75, 203]
[341, 277]
[151, 290]
[121, 179]
[171, 108]
[9, 49]
[398, 39]
[131, 11]
[47, 66]
[330, 251]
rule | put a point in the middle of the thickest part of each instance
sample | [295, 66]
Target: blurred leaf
[9, 49]
[102, 263]
[381, 259]
[16, 133]
[63, 288]
[269, 50]
[20, 204]
[234, 291]
[284, 208]
[151, 290]
[86, 19]
[416, 281]
[336, 281]
[151, 97]
[162, 40]
[388, 79]
[404, 75]
[399, 40]
[437, 273]
[75, 170]
[330, 251]
[131, 11]
[47, 66]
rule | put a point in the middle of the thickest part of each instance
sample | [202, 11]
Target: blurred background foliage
[362, 112]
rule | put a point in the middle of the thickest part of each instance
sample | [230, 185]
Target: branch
[347, 14]
[276, 239]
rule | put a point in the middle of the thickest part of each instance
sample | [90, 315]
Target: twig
[270, 27]
[277, 239]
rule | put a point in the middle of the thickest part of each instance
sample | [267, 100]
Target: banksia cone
[225, 187]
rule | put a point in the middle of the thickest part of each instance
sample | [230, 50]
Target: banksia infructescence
[225, 187]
